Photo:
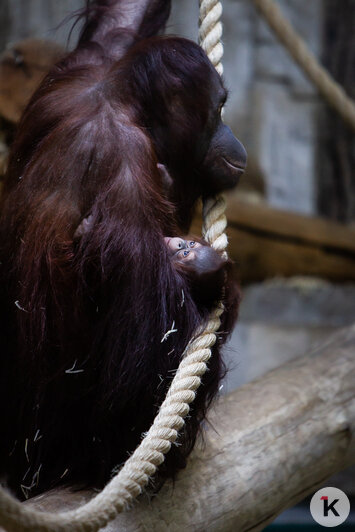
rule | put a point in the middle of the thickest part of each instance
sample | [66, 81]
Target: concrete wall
[281, 319]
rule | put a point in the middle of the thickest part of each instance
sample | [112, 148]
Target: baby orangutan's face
[182, 250]
[194, 254]
[202, 264]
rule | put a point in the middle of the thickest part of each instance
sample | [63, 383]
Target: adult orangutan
[125, 130]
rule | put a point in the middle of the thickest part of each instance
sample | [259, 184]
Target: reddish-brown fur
[83, 364]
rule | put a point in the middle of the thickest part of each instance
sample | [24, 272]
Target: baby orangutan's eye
[183, 254]
[192, 244]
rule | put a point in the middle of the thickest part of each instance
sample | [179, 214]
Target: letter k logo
[329, 507]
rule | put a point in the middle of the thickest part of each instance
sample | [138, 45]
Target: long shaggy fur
[85, 359]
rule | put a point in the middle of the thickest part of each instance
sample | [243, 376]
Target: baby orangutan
[201, 264]
[193, 258]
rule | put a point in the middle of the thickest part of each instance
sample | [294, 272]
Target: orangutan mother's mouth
[235, 165]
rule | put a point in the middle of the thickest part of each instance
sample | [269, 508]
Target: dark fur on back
[84, 365]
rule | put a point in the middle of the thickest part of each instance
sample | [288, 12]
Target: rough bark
[269, 444]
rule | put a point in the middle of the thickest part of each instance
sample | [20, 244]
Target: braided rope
[210, 31]
[330, 89]
[209, 36]
[134, 476]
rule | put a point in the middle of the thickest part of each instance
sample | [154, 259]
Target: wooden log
[268, 445]
[267, 242]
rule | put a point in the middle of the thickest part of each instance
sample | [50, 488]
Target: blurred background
[292, 220]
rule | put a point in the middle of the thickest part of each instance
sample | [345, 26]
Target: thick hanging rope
[209, 36]
[134, 476]
[330, 90]
[210, 32]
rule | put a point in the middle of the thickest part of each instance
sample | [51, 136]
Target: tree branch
[273, 442]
